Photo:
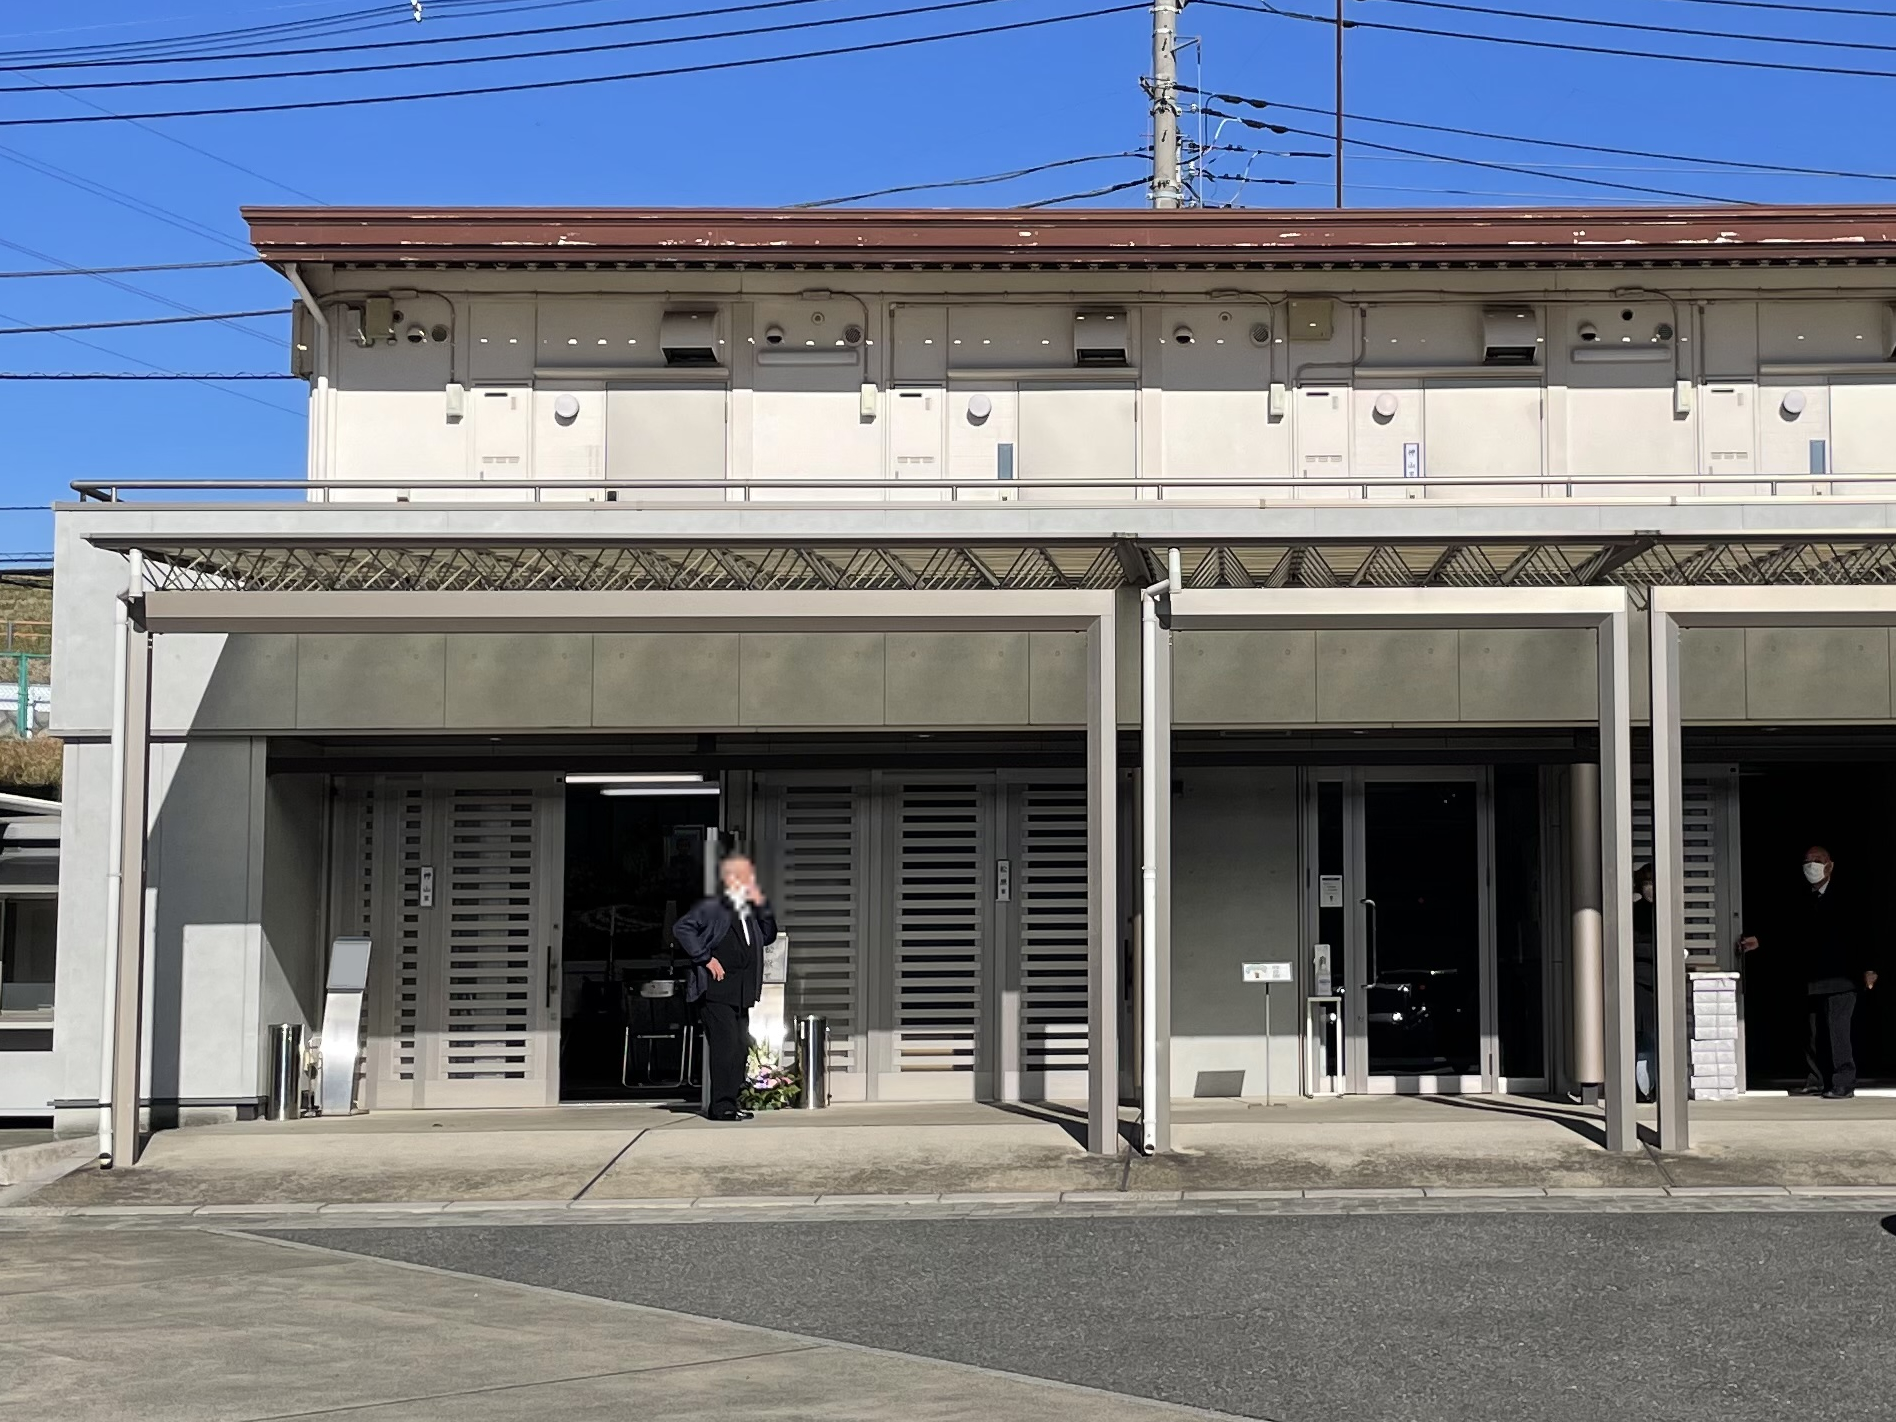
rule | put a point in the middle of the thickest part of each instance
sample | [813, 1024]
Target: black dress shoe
[1812, 1091]
[732, 1116]
[1835, 1095]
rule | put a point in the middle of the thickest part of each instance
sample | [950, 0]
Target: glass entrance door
[1415, 913]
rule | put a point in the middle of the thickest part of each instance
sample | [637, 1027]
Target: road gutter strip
[1427, 1199]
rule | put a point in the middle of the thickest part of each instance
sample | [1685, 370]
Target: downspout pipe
[1155, 620]
[115, 845]
[319, 395]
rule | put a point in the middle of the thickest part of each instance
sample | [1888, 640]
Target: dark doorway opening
[1785, 809]
[635, 860]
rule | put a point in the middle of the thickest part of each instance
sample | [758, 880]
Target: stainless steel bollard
[285, 1101]
[812, 1063]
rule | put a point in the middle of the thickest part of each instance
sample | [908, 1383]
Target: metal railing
[1243, 487]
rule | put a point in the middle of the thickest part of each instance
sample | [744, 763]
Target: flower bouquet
[768, 1085]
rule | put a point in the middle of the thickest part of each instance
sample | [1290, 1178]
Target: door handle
[1369, 923]
[552, 978]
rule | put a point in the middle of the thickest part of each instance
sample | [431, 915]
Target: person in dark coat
[1645, 985]
[724, 937]
[1832, 939]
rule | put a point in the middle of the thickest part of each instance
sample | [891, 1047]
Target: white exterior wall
[882, 378]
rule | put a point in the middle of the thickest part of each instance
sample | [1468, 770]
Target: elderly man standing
[724, 937]
[1832, 940]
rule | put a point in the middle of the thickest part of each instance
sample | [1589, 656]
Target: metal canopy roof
[425, 565]
[1135, 239]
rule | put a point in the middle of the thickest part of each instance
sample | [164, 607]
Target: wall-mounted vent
[1102, 337]
[1510, 335]
[690, 338]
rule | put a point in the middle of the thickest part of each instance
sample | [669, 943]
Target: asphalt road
[1396, 1318]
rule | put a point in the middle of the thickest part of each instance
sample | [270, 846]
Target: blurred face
[1643, 886]
[737, 873]
[1818, 865]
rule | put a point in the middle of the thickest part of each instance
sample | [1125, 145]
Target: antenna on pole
[1167, 188]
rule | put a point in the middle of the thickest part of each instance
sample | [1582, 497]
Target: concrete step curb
[33, 1164]
[1092, 1201]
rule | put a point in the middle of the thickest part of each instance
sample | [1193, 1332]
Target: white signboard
[1320, 963]
[777, 960]
[1267, 972]
[1329, 891]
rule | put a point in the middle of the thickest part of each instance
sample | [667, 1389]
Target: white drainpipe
[1149, 791]
[115, 845]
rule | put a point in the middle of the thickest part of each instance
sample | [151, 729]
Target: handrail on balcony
[1564, 486]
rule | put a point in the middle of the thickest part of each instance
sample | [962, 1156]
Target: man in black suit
[724, 937]
[1834, 943]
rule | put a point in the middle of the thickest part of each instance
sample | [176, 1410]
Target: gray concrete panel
[371, 682]
[653, 679]
[1056, 678]
[813, 679]
[203, 993]
[214, 683]
[1546, 674]
[1388, 676]
[958, 679]
[1244, 678]
[537, 680]
[1711, 674]
[1817, 674]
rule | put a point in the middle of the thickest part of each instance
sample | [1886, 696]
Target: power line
[405, 66]
[128, 287]
[1549, 142]
[143, 267]
[1557, 46]
[970, 182]
[1676, 30]
[125, 200]
[677, 71]
[1779, 6]
[1095, 192]
[162, 370]
[431, 41]
[146, 375]
[1484, 163]
[173, 139]
[143, 321]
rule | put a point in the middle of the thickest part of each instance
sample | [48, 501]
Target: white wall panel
[666, 431]
[1484, 429]
[1076, 431]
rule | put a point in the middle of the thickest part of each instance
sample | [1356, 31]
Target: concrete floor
[201, 1326]
[640, 1152]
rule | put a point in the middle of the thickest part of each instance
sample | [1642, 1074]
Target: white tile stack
[1714, 1035]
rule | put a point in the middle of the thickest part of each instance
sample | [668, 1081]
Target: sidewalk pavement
[638, 1153]
[282, 1331]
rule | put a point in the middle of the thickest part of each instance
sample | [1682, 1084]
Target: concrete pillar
[1583, 900]
[128, 943]
[1616, 878]
[1669, 884]
[1102, 823]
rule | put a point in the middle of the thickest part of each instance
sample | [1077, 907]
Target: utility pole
[1339, 103]
[1167, 189]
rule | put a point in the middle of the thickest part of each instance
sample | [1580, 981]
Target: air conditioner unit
[1102, 336]
[1510, 335]
[690, 337]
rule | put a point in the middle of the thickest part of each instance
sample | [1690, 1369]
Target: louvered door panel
[939, 893]
[1702, 820]
[489, 1029]
[819, 894]
[1051, 935]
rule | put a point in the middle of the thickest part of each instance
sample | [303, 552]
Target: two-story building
[632, 535]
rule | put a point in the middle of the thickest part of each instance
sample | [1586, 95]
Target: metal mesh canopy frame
[1637, 564]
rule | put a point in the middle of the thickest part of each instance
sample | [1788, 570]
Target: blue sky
[793, 133]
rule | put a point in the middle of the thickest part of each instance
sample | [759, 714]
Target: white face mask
[735, 894]
[1813, 873]
[1646, 892]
